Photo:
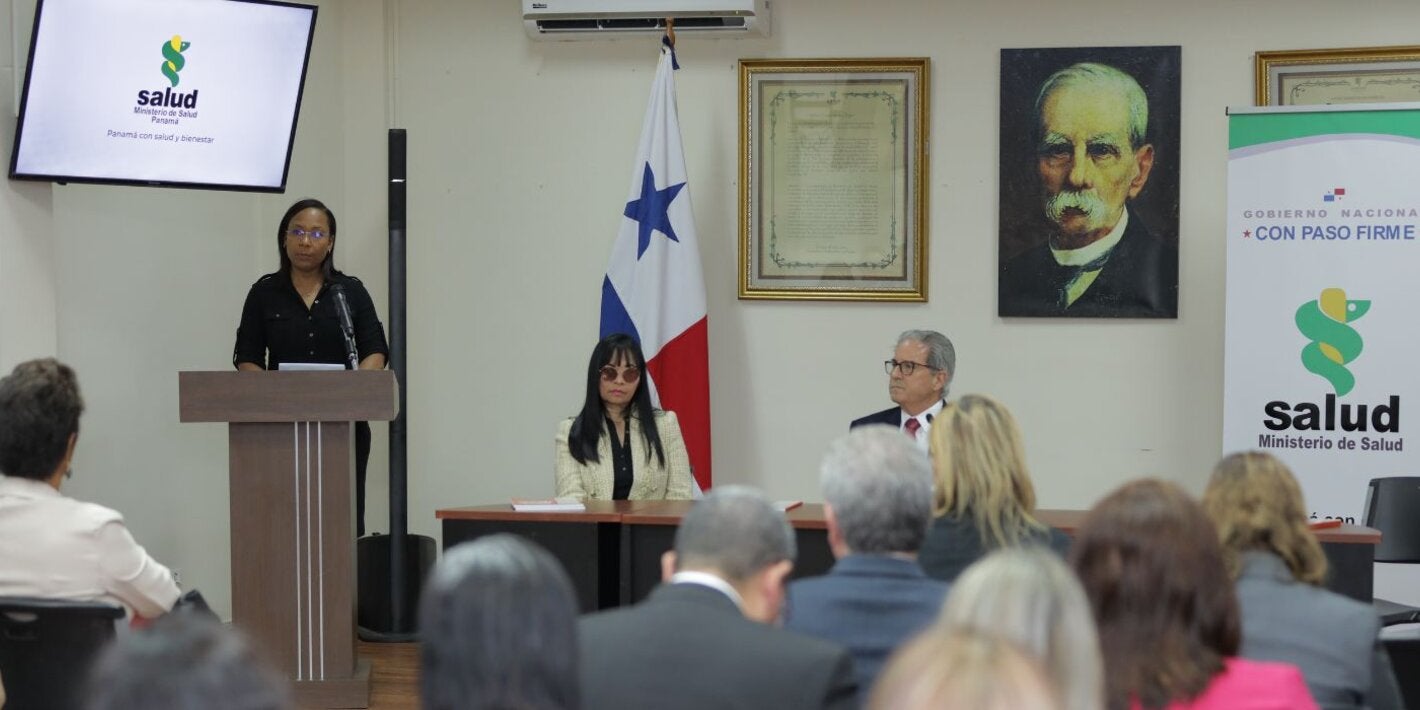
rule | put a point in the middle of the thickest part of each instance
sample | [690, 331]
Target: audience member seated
[1151, 565]
[620, 447]
[52, 546]
[877, 490]
[185, 661]
[704, 638]
[959, 669]
[1032, 599]
[498, 623]
[1280, 568]
[984, 499]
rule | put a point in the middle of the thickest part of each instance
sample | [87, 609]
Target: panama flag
[653, 289]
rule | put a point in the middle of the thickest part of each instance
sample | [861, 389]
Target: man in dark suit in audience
[877, 489]
[919, 374]
[704, 639]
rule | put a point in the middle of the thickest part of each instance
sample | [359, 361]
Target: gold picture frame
[1298, 77]
[833, 179]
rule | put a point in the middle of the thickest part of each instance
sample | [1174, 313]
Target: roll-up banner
[1322, 346]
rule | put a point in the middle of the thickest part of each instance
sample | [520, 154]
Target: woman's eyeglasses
[314, 234]
[629, 374]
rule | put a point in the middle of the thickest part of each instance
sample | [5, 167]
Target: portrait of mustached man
[1089, 182]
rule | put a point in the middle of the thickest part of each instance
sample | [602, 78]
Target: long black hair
[327, 267]
[587, 428]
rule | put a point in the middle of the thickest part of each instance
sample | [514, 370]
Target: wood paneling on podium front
[292, 527]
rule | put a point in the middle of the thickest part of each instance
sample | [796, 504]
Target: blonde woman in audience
[961, 669]
[983, 498]
[1031, 598]
[1151, 565]
[1280, 568]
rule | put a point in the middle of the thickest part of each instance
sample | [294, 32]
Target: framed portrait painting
[1089, 182]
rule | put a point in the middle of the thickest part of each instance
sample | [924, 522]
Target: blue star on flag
[650, 211]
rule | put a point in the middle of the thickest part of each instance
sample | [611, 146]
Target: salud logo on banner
[1334, 343]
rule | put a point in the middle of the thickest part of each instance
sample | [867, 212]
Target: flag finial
[668, 41]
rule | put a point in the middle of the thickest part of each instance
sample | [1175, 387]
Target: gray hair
[940, 353]
[734, 530]
[880, 486]
[1028, 596]
[39, 410]
[1102, 76]
[185, 661]
[499, 624]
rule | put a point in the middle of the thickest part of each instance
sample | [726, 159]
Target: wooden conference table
[612, 550]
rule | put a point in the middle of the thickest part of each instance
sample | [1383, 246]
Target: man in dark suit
[703, 639]
[877, 489]
[919, 373]
[1092, 157]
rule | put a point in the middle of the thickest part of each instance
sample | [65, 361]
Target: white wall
[520, 158]
[28, 316]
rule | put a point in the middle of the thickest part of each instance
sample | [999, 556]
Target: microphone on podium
[347, 325]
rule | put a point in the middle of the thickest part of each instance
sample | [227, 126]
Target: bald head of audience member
[961, 669]
[877, 490]
[499, 626]
[736, 534]
[185, 661]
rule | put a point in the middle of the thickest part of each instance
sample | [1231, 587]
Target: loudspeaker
[375, 613]
[397, 141]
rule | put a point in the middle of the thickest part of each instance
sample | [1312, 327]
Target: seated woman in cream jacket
[620, 447]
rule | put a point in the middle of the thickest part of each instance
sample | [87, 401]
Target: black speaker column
[392, 569]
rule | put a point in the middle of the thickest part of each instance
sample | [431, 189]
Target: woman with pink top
[1152, 567]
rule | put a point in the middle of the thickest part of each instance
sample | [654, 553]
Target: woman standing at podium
[620, 447]
[293, 316]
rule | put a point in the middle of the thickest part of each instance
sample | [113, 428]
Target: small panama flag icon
[1334, 195]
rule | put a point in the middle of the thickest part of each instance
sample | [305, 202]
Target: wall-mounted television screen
[168, 93]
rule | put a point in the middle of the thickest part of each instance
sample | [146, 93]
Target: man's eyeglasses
[629, 374]
[314, 234]
[907, 366]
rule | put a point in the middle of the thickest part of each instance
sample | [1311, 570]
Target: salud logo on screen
[166, 105]
[173, 61]
[1334, 343]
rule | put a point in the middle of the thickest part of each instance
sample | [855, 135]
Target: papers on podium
[785, 506]
[548, 505]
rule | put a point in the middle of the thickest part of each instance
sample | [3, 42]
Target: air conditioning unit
[610, 19]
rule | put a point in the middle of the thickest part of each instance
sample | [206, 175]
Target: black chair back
[1393, 507]
[46, 648]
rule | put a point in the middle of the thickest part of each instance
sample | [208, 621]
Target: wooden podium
[293, 538]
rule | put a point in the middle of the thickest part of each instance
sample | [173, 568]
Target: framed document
[833, 179]
[1353, 75]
